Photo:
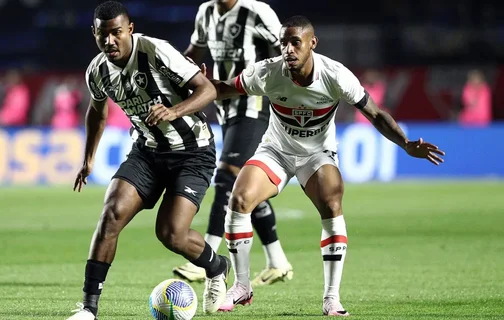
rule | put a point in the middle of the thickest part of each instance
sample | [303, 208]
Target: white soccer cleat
[81, 313]
[332, 307]
[272, 275]
[215, 290]
[238, 294]
[190, 272]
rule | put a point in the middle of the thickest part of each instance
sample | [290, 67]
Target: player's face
[297, 44]
[113, 37]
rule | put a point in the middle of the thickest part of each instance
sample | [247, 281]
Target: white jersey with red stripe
[302, 118]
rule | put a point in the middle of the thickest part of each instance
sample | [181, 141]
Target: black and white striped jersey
[236, 39]
[155, 74]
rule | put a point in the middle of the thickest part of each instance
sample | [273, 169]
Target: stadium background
[439, 248]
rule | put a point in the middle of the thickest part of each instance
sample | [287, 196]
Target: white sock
[213, 241]
[275, 256]
[239, 234]
[333, 245]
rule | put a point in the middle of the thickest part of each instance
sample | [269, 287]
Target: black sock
[224, 181]
[96, 272]
[211, 262]
[264, 222]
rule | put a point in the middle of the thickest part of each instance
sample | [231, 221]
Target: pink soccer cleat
[333, 307]
[238, 294]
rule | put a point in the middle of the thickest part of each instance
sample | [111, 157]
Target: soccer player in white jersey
[174, 151]
[238, 33]
[304, 89]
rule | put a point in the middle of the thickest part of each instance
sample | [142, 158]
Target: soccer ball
[173, 299]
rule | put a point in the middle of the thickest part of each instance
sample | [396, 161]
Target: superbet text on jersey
[302, 120]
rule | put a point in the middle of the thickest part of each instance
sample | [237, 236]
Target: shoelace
[213, 285]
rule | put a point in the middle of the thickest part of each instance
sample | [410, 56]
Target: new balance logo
[283, 99]
[190, 191]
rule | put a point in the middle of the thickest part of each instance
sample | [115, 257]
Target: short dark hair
[297, 22]
[109, 10]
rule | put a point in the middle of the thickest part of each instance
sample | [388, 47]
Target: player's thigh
[140, 171]
[240, 140]
[263, 176]
[186, 185]
[322, 182]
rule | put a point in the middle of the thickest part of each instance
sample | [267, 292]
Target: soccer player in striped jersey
[238, 33]
[174, 152]
[304, 89]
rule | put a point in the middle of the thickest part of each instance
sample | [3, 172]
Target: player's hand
[160, 113]
[203, 69]
[421, 149]
[84, 172]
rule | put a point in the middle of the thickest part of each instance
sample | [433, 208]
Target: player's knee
[242, 201]
[171, 239]
[110, 224]
[332, 207]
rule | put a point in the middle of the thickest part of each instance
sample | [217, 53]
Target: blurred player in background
[304, 89]
[174, 151]
[238, 33]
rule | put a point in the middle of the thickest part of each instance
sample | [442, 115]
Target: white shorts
[280, 168]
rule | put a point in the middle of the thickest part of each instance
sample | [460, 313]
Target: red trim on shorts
[333, 239]
[239, 85]
[237, 236]
[271, 175]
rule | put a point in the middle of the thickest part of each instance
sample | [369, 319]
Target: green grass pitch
[417, 250]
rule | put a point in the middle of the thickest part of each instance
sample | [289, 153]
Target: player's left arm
[354, 93]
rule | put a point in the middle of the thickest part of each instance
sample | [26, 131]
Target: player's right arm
[250, 82]
[96, 118]
[198, 47]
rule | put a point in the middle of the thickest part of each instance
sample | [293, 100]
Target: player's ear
[131, 27]
[314, 42]
[93, 30]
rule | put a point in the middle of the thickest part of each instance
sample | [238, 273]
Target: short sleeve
[173, 65]
[96, 93]
[199, 35]
[267, 24]
[252, 80]
[349, 87]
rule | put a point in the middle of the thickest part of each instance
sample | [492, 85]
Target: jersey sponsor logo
[222, 54]
[97, 93]
[234, 30]
[140, 80]
[324, 100]
[304, 133]
[137, 106]
[172, 76]
[222, 51]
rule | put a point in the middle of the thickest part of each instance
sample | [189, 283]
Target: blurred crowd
[61, 101]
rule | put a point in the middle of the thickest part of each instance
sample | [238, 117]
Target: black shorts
[240, 140]
[184, 173]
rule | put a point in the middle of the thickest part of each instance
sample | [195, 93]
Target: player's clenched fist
[84, 172]
[160, 113]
